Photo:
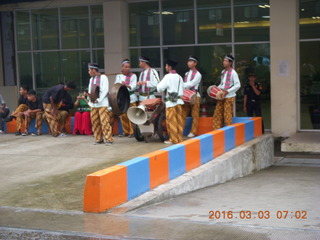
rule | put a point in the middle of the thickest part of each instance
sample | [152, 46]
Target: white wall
[284, 48]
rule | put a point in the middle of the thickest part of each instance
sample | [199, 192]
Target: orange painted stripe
[105, 189]
[159, 167]
[257, 126]
[204, 125]
[218, 142]
[240, 133]
[193, 155]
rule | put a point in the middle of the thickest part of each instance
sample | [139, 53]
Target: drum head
[94, 94]
[119, 99]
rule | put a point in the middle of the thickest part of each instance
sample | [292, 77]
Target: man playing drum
[173, 84]
[100, 117]
[148, 80]
[230, 84]
[192, 80]
[128, 79]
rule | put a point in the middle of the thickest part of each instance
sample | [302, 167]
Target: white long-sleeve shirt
[194, 83]
[234, 84]
[120, 78]
[152, 84]
[102, 101]
[170, 82]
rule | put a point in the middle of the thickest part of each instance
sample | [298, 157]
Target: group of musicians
[140, 89]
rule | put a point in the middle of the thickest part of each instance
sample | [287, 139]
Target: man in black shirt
[52, 101]
[22, 104]
[35, 110]
[252, 93]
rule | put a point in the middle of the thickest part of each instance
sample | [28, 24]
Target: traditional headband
[93, 66]
[142, 59]
[229, 58]
[193, 59]
[125, 61]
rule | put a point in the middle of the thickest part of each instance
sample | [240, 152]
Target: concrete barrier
[147, 172]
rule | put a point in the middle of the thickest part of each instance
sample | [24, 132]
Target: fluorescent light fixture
[265, 16]
[164, 13]
[261, 6]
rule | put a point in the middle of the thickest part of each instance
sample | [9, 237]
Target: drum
[215, 92]
[189, 96]
[119, 99]
[94, 93]
[151, 103]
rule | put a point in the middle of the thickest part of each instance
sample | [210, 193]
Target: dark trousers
[254, 107]
[3, 115]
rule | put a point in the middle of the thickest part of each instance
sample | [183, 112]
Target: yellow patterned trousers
[100, 119]
[195, 109]
[174, 123]
[127, 126]
[63, 118]
[53, 120]
[223, 113]
[20, 108]
[27, 120]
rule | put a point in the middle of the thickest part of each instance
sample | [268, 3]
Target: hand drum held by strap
[215, 92]
[119, 99]
[94, 93]
[189, 96]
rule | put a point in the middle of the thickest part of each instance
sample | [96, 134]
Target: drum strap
[97, 80]
[146, 89]
[194, 73]
[228, 80]
[128, 78]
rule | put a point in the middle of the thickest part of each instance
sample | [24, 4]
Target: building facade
[47, 42]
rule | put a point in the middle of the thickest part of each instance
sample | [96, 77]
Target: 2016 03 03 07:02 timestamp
[263, 214]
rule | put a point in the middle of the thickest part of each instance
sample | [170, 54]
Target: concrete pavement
[279, 188]
[41, 197]
[49, 173]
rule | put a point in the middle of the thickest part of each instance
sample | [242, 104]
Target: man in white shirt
[100, 117]
[128, 79]
[172, 83]
[230, 84]
[148, 80]
[192, 80]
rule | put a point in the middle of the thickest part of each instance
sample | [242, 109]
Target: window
[214, 21]
[62, 45]
[309, 64]
[178, 22]
[251, 20]
[144, 21]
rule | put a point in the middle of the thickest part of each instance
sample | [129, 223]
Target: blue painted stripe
[249, 130]
[138, 176]
[206, 147]
[229, 137]
[240, 119]
[187, 126]
[177, 160]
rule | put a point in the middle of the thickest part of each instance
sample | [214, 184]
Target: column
[116, 35]
[284, 51]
